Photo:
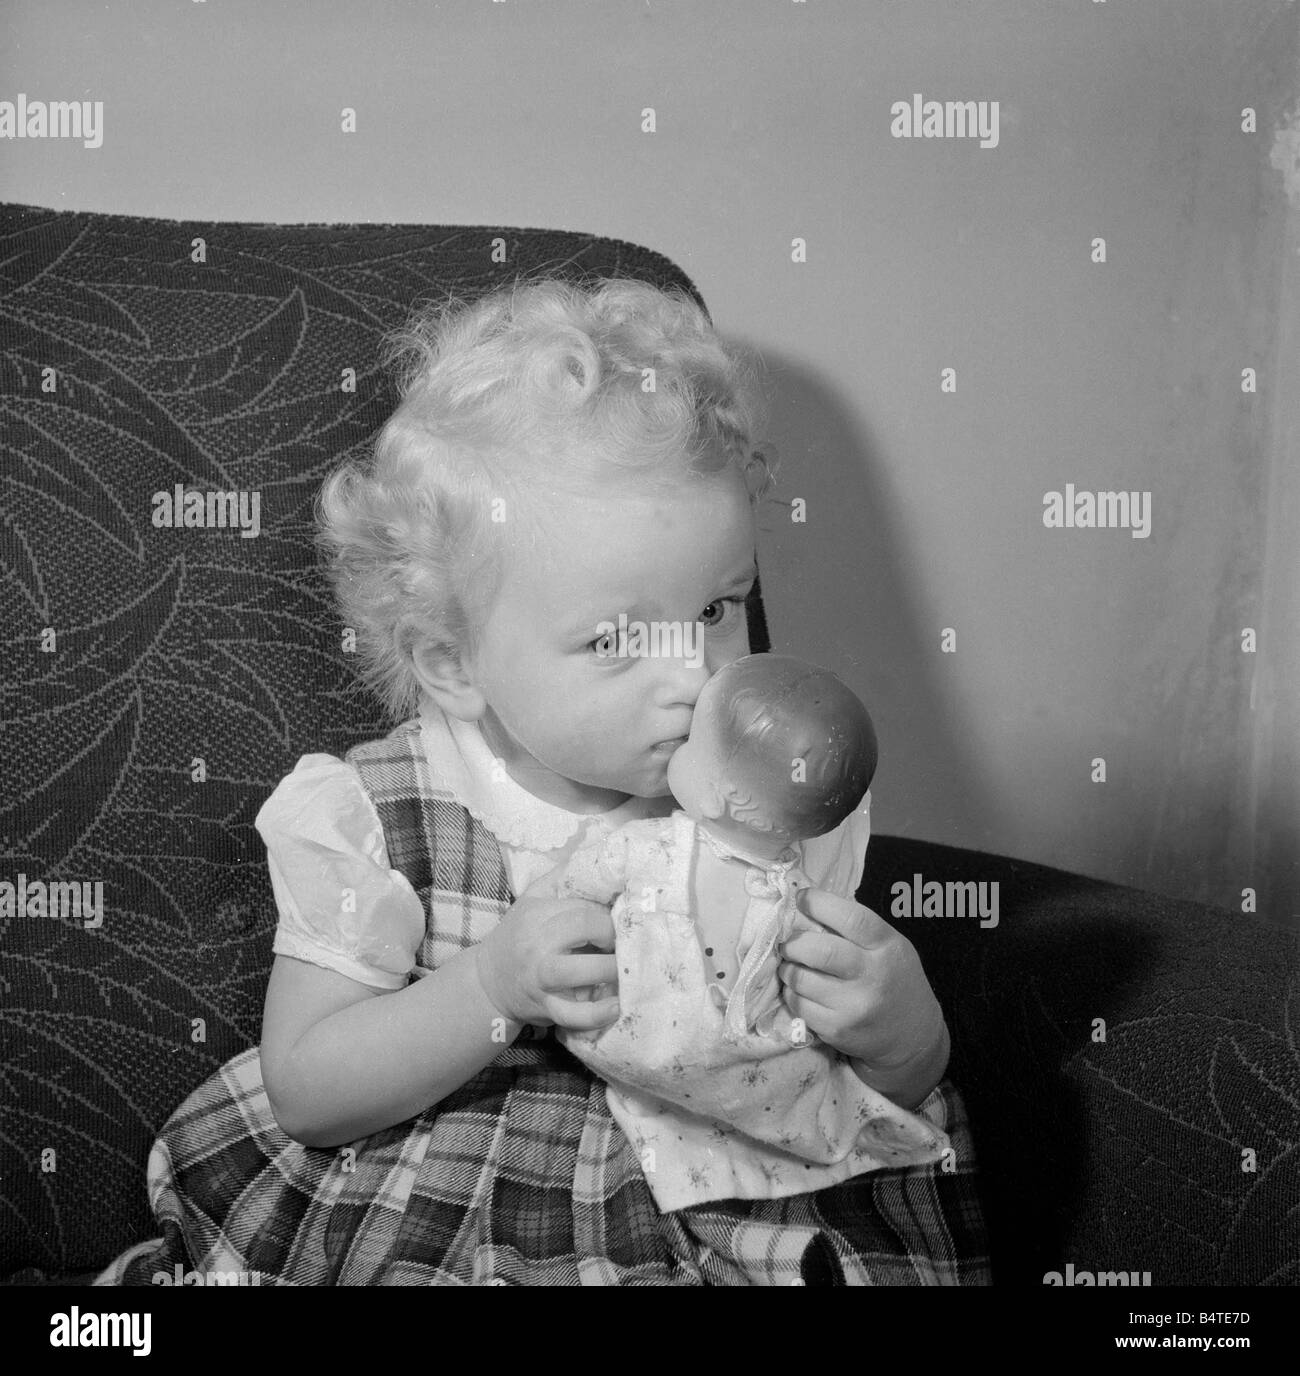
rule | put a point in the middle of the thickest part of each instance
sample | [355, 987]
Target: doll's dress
[716, 1106]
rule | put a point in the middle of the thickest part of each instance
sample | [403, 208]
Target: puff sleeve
[341, 906]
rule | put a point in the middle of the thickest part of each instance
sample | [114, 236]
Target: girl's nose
[686, 674]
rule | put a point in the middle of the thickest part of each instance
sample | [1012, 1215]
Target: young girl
[562, 455]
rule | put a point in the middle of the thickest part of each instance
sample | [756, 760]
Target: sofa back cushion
[160, 680]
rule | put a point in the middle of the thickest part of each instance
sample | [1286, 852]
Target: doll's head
[779, 751]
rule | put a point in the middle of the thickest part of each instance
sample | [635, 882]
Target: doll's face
[779, 751]
[698, 767]
[696, 764]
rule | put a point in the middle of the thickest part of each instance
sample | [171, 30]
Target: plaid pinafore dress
[521, 1176]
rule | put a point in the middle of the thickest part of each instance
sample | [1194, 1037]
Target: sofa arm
[1129, 1063]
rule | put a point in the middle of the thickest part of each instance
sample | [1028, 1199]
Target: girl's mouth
[667, 747]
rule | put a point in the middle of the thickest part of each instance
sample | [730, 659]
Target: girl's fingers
[843, 916]
[810, 985]
[585, 924]
[807, 1011]
[581, 1017]
[821, 950]
[559, 974]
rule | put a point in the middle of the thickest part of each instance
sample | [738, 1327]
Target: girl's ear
[442, 674]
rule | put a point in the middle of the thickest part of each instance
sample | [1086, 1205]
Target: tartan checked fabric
[521, 1176]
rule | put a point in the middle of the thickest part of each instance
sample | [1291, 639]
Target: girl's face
[577, 717]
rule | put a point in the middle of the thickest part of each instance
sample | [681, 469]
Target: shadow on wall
[844, 589]
[841, 590]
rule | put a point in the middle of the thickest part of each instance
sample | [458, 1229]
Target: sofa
[1129, 1061]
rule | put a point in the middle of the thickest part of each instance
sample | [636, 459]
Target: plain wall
[924, 509]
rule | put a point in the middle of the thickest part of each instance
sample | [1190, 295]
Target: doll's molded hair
[773, 710]
[545, 386]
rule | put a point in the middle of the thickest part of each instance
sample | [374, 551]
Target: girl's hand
[859, 985]
[529, 968]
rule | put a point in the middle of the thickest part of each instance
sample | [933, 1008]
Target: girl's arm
[341, 1060]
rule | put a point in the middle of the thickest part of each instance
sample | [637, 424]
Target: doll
[723, 1093]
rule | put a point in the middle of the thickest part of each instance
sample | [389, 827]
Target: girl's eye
[722, 605]
[605, 646]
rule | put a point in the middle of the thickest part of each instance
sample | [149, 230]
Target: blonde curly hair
[547, 384]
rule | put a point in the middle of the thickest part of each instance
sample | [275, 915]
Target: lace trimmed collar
[463, 764]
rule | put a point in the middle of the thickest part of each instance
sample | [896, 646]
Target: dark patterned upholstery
[177, 646]
[1124, 1154]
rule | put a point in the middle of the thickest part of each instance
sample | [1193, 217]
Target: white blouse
[341, 906]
